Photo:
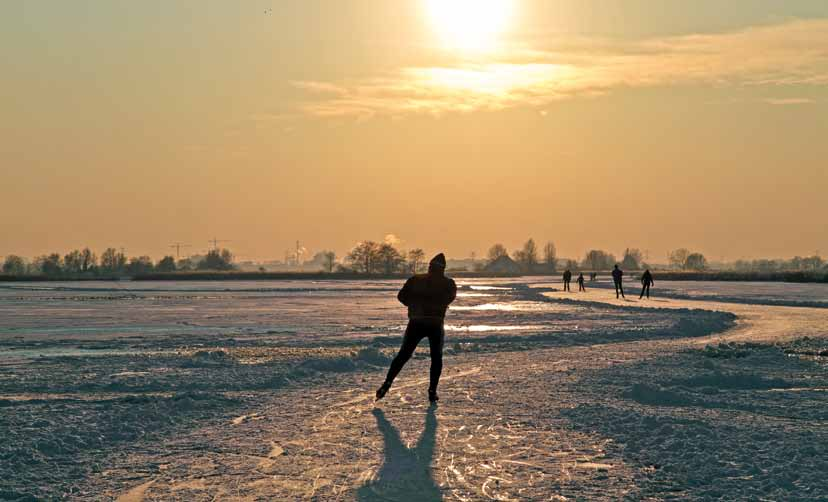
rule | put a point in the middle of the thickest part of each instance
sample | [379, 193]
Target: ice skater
[567, 278]
[427, 297]
[646, 282]
[581, 282]
[617, 278]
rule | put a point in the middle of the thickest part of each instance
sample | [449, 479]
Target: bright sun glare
[471, 25]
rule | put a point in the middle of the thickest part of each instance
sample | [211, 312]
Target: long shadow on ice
[406, 472]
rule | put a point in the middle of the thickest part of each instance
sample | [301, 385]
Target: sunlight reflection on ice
[476, 328]
[517, 306]
[489, 306]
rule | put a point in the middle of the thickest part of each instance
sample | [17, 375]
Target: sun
[469, 25]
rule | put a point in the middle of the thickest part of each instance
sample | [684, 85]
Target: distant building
[462, 264]
[503, 265]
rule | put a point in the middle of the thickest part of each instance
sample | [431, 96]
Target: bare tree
[527, 257]
[695, 261]
[678, 258]
[415, 258]
[812, 262]
[596, 259]
[632, 259]
[88, 260]
[183, 264]
[363, 258]
[140, 265]
[216, 259]
[113, 261]
[14, 265]
[496, 252]
[49, 264]
[72, 262]
[389, 258]
[550, 256]
[166, 264]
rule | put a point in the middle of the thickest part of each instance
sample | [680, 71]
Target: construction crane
[177, 246]
[215, 242]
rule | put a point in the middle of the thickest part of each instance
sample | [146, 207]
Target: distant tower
[215, 242]
[177, 246]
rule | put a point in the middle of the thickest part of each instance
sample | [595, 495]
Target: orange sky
[650, 124]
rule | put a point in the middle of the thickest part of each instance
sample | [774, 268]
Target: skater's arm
[452, 292]
[405, 294]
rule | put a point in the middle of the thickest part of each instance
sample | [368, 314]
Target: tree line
[369, 257]
[795, 264]
[531, 260]
[528, 257]
[85, 263]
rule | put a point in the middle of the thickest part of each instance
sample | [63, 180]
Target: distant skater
[593, 276]
[617, 278]
[646, 282]
[567, 278]
[581, 282]
[427, 297]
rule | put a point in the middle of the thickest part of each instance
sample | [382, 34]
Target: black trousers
[619, 289]
[581, 286]
[566, 286]
[645, 287]
[417, 330]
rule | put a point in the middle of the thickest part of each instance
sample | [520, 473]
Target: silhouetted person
[581, 282]
[646, 282]
[427, 297]
[567, 278]
[593, 276]
[617, 278]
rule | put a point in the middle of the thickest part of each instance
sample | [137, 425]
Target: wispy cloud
[789, 101]
[778, 55]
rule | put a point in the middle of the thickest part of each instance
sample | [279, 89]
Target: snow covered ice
[263, 391]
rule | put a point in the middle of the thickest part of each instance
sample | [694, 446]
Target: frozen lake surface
[760, 293]
[117, 315]
[89, 371]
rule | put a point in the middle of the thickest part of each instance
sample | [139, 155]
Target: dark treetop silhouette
[427, 297]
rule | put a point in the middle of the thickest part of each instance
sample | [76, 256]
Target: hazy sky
[453, 124]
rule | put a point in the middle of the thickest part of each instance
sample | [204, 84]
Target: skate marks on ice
[736, 420]
[480, 443]
[136, 494]
[397, 389]
[487, 447]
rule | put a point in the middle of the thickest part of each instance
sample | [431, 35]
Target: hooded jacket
[427, 296]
